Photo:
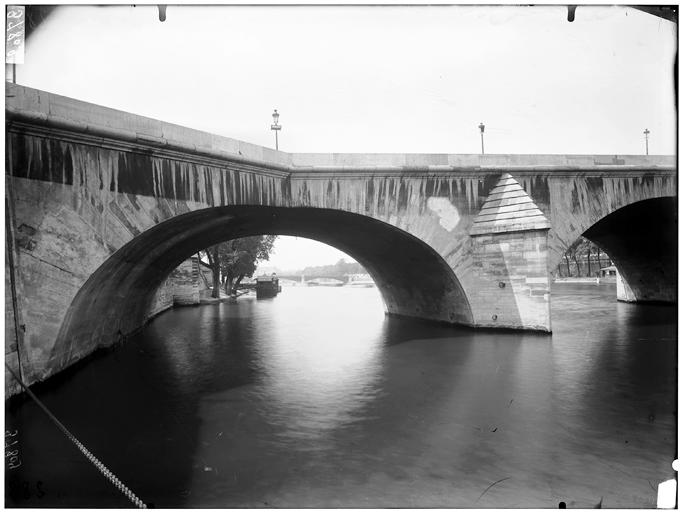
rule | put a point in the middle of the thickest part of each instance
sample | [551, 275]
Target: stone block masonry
[511, 254]
[103, 206]
[513, 290]
[181, 288]
[11, 342]
[185, 282]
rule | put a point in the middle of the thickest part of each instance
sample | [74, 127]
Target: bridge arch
[84, 181]
[641, 240]
[412, 277]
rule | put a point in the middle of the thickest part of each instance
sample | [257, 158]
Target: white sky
[296, 253]
[375, 79]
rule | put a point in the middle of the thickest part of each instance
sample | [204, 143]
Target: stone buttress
[510, 250]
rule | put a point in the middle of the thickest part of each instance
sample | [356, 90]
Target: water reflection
[317, 376]
[614, 381]
[315, 399]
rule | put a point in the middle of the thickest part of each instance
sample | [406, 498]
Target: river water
[315, 399]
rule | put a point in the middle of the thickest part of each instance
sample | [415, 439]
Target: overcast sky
[375, 79]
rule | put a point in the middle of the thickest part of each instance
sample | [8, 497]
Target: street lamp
[276, 127]
[646, 132]
[482, 136]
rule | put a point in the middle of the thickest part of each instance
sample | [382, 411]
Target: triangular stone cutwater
[508, 208]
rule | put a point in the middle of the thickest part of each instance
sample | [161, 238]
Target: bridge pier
[641, 240]
[510, 254]
[513, 289]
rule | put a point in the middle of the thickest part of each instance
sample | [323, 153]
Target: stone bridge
[102, 205]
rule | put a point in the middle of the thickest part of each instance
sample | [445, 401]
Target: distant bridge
[309, 277]
[102, 205]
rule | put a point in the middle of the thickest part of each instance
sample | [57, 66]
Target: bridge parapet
[35, 107]
[477, 162]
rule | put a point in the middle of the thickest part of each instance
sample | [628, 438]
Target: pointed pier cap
[508, 208]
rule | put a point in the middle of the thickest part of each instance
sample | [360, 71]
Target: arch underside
[642, 241]
[412, 278]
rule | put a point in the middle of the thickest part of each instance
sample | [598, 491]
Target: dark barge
[267, 286]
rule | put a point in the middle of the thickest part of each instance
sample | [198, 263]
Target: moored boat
[267, 286]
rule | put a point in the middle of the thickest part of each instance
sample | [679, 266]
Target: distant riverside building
[610, 271]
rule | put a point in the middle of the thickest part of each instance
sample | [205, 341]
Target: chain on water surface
[94, 460]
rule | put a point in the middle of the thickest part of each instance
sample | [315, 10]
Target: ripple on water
[315, 399]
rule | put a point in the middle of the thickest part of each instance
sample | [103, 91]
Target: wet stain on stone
[120, 215]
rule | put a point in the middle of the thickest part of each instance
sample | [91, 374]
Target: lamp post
[482, 136]
[276, 127]
[646, 132]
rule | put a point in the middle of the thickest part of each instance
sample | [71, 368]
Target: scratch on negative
[490, 486]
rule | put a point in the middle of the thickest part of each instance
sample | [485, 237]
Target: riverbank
[584, 280]
[205, 297]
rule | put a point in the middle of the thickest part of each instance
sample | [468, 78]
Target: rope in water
[94, 460]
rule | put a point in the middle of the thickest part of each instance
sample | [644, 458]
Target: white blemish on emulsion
[445, 210]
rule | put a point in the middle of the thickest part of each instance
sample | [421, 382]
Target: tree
[235, 259]
[242, 258]
[573, 253]
[567, 263]
[583, 249]
[338, 270]
[213, 256]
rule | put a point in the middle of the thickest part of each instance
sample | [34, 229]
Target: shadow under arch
[114, 302]
[641, 240]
